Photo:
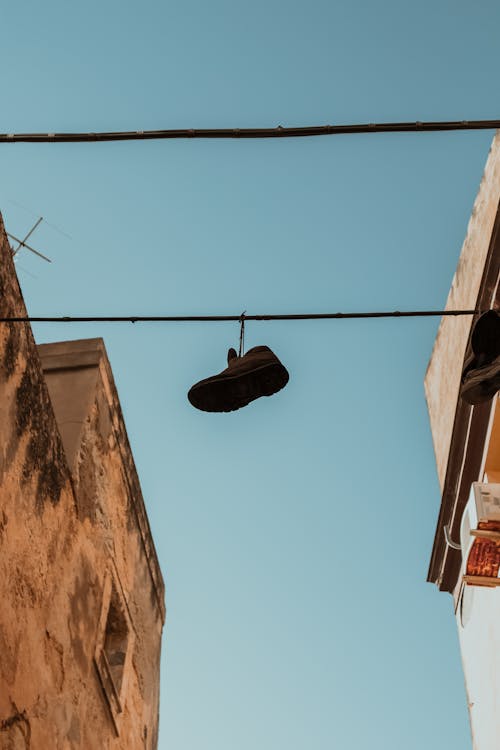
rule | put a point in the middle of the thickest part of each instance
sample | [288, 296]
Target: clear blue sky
[294, 535]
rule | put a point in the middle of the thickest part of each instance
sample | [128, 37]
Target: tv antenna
[22, 243]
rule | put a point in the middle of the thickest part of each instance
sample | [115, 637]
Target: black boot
[258, 373]
[481, 374]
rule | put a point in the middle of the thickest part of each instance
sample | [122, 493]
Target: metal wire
[228, 318]
[276, 132]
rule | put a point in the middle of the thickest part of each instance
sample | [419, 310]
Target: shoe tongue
[232, 356]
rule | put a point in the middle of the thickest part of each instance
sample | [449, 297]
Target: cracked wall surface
[71, 515]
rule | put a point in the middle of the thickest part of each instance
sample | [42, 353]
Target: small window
[115, 640]
[114, 647]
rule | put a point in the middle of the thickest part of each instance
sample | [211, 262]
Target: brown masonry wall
[72, 520]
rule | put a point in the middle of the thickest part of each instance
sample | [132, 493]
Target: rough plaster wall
[479, 636]
[55, 547]
[104, 501]
[442, 379]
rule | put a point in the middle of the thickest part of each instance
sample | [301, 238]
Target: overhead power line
[276, 132]
[228, 318]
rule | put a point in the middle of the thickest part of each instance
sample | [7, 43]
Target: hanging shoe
[481, 374]
[257, 373]
[485, 339]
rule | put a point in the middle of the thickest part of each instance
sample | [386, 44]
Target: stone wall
[82, 594]
[442, 380]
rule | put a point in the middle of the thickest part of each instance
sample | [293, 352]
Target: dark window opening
[115, 640]
[114, 647]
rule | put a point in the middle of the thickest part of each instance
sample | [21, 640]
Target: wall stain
[74, 735]
[3, 523]
[86, 492]
[11, 350]
[17, 730]
[44, 453]
[10, 653]
[54, 654]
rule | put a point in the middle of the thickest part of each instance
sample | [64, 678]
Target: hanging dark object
[246, 378]
[481, 374]
[257, 373]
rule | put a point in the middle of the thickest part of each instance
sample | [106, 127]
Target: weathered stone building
[465, 557]
[81, 592]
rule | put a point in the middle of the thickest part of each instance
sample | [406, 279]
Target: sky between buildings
[294, 535]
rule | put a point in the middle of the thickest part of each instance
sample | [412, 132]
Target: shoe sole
[233, 392]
